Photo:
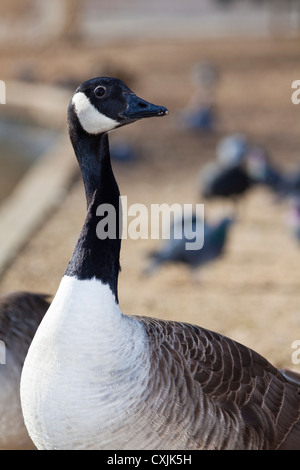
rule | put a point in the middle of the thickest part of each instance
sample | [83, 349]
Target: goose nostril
[142, 105]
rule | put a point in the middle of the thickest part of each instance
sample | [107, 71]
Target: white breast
[84, 371]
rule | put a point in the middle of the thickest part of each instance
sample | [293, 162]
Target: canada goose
[20, 315]
[95, 378]
[174, 250]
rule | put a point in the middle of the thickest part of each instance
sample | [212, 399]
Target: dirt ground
[252, 294]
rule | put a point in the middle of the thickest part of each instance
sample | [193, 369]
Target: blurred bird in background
[122, 151]
[292, 217]
[290, 186]
[174, 250]
[200, 114]
[284, 184]
[263, 171]
[226, 176]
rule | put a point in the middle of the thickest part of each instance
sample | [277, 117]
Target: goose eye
[100, 91]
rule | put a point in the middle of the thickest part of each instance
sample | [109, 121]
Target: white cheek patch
[90, 118]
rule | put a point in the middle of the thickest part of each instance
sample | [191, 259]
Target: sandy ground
[252, 294]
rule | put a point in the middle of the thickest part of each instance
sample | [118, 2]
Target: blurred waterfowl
[290, 185]
[231, 150]
[220, 182]
[122, 151]
[175, 250]
[205, 74]
[226, 176]
[202, 118]
[20, 316]
[284, 184]
[95, 378]
[200, 113]
[292, 217]
[263, 171]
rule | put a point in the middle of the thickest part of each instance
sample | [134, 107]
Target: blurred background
[224, 69]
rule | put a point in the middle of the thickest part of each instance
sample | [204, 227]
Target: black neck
[94, 257]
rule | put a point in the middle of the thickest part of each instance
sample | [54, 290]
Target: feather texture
[217, 380]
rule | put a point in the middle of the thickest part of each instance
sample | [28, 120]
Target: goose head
[103, 104]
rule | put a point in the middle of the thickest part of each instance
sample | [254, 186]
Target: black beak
[138, 108]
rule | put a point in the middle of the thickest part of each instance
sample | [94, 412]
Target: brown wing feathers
[262, 403]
